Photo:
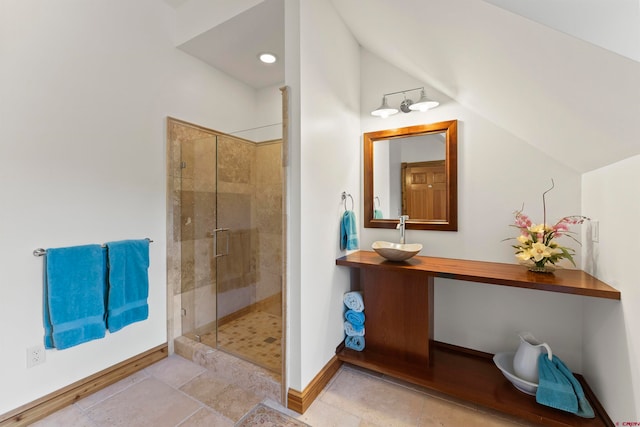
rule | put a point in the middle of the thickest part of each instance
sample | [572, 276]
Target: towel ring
[378, 200]
[344, 200]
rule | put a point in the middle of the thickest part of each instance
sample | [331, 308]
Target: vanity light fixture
[384, 110]
[407, 105]
[267, 58]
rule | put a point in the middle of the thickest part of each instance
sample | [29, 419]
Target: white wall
[85, 88]
[497, 172]
[293, 190]
[612, 328]
[267, 116]
[329, 164]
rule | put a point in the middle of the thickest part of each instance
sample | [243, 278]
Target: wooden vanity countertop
[566, 281]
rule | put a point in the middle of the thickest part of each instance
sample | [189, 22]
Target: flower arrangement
[537, 246]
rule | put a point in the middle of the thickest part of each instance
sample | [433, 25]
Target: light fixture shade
[384, 110]
[423, 104]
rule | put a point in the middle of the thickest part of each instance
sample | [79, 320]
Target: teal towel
[348, 231]
[377, 214]
[584, 408]
[353, 300]
[354, 343]
[354, 317]
[128, 283]
[559, 389]
[73, 295]
[353, 330]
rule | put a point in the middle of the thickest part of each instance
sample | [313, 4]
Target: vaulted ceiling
[569, 98]
[572, 99]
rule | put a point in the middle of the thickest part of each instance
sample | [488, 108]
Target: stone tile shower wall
[269, 220]
[249, 203]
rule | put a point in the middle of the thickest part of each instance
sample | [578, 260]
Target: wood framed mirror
[412, 171]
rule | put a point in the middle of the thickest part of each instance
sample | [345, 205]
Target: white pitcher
[525, 362]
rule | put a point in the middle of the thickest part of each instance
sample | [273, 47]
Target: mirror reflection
[410, 177]
[412, 171]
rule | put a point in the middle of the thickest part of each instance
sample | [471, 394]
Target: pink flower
[522, 221]
[559, 228]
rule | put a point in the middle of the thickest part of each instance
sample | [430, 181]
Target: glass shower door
[235, 256]
[197, 219]
[249, 247]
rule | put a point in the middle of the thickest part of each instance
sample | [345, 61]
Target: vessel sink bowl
[396, 251]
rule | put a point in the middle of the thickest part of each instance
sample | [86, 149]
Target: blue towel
[353, 330]
[354, 343]
[377, 214]
[355, 317]
[348, 231]
[128, 283]
[74, 292]
[353, 300]
[559, 389]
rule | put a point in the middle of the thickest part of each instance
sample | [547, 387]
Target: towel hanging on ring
[348, 231]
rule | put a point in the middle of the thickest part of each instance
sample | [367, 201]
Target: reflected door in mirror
[424, 190]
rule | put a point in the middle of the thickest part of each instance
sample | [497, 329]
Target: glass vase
[542, 268]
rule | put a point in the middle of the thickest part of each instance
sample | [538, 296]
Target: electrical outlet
[35, 356]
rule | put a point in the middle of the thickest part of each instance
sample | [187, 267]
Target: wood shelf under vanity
[471, 375]
[399, 342]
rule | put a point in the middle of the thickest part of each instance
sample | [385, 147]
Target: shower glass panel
[227, 241]
[248, 245]
[197, 220]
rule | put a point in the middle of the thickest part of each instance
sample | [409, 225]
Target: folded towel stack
[559, 389]
[354, 343]
[87, 288]
[354, 317]
[354, 301]
[354, 321]
[353, 330]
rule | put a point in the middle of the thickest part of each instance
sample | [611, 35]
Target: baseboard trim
[300, 401]
[46, 405]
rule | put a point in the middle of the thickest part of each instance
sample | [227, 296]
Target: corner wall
[612, 328]
[329, 161]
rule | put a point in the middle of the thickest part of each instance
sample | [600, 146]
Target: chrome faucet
[401, 226]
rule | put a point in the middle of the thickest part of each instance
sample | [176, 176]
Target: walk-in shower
[226, 241]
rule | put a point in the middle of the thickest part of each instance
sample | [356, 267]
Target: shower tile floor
[178, 392]
[255, 337]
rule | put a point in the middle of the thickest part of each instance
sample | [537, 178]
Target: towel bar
[41, 252]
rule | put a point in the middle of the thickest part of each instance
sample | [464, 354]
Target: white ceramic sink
[396, 251]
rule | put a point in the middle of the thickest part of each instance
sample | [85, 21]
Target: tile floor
[254, 337]
[178, 392]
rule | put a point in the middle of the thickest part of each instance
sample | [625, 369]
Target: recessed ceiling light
[268, 58]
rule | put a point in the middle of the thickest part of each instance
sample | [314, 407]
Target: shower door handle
[215, 242]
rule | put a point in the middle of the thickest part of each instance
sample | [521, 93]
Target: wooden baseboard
[47, 405]
[300, 401]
